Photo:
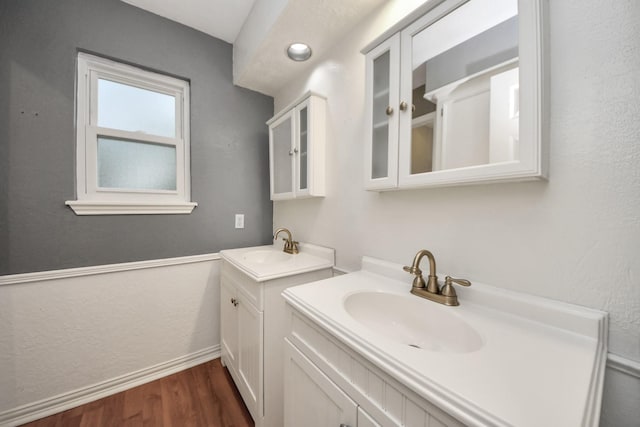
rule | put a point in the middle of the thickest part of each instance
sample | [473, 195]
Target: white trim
[624, 365]
[64, 401]
[128, 208]
[16, 279]
[401, 24]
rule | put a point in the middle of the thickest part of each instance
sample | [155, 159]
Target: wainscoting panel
[68, 337]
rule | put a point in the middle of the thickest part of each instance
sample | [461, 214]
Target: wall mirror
[456, 96]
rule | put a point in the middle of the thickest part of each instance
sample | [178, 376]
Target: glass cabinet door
[301, 150]
[282, 157]
[382, 116]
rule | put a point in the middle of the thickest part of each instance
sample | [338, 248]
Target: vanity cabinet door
[366, 420]
[281, 157]
[311, 399]
[382, 115]
[228, 325]
[250, 355]
[242, 341]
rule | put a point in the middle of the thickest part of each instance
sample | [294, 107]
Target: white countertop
[541, 362]
[310, 258]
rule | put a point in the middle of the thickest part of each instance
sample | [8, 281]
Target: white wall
[575, 238]
[72, 336]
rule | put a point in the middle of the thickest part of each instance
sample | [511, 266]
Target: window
[132, 141]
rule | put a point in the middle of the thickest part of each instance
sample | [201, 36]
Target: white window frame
[94, 200]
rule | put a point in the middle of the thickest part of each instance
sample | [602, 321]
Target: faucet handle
[448, 290]
[412, 270]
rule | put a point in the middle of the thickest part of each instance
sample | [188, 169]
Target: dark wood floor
[201, 396]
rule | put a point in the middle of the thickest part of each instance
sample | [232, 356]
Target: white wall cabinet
[297, 149]
[253, 326]
[455, 95]
[328, 384]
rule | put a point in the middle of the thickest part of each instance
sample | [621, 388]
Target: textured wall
[39, 40]
[575, 238]
[65, 334]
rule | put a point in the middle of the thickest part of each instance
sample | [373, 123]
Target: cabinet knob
[403, 106]
[234, 302]
[295, 150]
[389, 110]
[344, 425]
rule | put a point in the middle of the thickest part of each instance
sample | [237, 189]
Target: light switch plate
[239, 220]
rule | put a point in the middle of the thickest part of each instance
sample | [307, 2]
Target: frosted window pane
[380, 147]
[380, 153]
[136, 165]
[130, 108]
[304, 158]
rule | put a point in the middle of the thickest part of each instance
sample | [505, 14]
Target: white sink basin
[266, 256]
[413, 321]
[263, 263]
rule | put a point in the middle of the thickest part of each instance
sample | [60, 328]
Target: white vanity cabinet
[327, 384]
[253, 326]
[456, 94]
[362, 344]
[313, 400]
[297, 149]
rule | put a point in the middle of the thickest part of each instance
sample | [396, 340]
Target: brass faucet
[290, 245]
[447, 295]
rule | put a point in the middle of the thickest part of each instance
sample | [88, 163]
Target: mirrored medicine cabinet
[456, 94]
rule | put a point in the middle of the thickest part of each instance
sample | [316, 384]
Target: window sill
[127, 208]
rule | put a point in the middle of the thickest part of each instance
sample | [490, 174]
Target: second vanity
[362, 351]
[253, 318]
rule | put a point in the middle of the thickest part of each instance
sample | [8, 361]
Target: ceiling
[203, 15]
[261, 64]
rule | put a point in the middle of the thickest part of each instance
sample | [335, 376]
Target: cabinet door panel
[281, 157]
[250, 351]
[311, 398]
[228, 325]
[302, 149]
[383, 69]
[365, 420]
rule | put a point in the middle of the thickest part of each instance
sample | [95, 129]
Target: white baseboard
[624, 365]
[62, 402]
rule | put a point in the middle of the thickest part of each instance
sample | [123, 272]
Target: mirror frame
[532, 162]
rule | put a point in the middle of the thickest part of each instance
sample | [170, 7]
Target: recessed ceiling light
[299, 51]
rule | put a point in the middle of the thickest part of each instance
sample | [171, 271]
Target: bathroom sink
[263, 263]
[266, 256]
[413, 321]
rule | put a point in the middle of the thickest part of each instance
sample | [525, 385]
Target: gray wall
[39, 40]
